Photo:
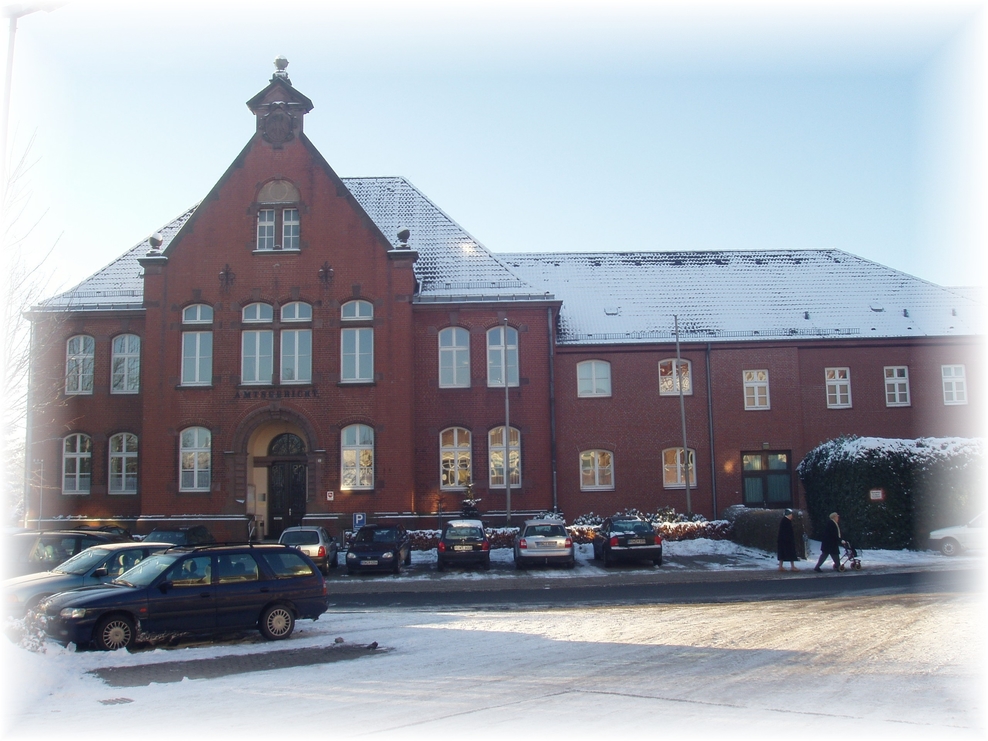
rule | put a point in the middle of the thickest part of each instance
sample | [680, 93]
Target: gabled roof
[624, 297]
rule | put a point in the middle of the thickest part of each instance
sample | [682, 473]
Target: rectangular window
[670, 382]
[596, 470]
[289, 229]
[256, 356]
[756, 389]
[896, 386]
[496, 454]
[767, 479]
[79, 365]
[357, 355]
[197, 358]
[674, 468]
[838, 387]
[265, 229]
[593, 378]
[502, 356]
[454, 358]
[954, 387]
[296, 356]
[125, 365]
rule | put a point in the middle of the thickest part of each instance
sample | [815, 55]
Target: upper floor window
[756, 389]
[197, 358]
[498, 452]
[357, 457]
[502, 356]
[296, 311]
[257, 312]
[357, 356]
[670, 382]
[454, 358]
[256, 353]
[278, 219]
[195, 459]
[296, 355]
[954, 387]
[896, 386]
[265, 229]
[125, 370]
[77, 464]
[455, 465]
[80, 354]
[123, 463]
[596, 470]
[357, 310]
[674, 468]
[838, 387]
[289, 229]
[197, 314]
[593, 378]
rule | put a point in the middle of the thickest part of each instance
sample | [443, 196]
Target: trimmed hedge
[928, 483]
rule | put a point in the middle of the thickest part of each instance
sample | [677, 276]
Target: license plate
[462, 547]
[636, 541]
[372, 562]
[546, 545]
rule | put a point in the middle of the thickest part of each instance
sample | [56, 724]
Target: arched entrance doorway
[287, 485]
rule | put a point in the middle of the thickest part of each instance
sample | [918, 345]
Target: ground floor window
[767, 478]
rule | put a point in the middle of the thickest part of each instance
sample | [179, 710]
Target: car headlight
[351, 556]
[73, 613]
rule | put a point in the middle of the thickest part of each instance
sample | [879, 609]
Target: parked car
[115, 529]
[32, 551]
[379, 548]
[626, 538]
[95, 565]
[463, 542]
[193, 589]
[543, 542]
[954, 540]
[193, 535]
[315, 543]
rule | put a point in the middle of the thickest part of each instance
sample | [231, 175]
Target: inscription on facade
[312, 393]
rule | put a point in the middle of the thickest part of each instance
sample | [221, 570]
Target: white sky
[538, 126]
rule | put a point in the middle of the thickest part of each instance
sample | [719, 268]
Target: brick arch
[249, 423]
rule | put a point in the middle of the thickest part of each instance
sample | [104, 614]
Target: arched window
[669, 383]
[197, 347]
[357, 310]
[287, 444]
[497, 455]
[125, 364]
[123, 463]
[195, 459]
[197, 314]
[455, 464]
[296, 311]
[593, 378]
[502, 356]
[596, 470]
[357, 457]
[257, 312]
[454, 358]
[674, 468]
[80, 353]
[77, 464]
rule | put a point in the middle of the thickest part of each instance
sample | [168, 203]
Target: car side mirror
[100, 572]
[165, 586]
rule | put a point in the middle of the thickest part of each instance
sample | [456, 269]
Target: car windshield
[461, 533]
[552, 531]
[632, 526]
[147, 570]
[377, 535]
[177, 537]
[300, 537]
[82, 562]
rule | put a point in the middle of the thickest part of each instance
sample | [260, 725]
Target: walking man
[830, 543]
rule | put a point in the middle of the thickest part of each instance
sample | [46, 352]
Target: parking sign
[359, 520]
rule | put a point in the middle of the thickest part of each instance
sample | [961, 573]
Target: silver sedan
[544, 542]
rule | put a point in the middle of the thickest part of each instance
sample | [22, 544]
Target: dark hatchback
[193, 589]
[463, 542]
[379, 548]
[627, 539]
[193, 535]
[31, 552]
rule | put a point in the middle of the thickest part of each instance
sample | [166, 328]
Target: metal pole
[682, 415]
[507, 429]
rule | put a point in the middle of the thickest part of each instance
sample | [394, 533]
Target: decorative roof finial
[281, 63]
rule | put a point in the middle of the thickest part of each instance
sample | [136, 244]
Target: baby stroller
[850, 558]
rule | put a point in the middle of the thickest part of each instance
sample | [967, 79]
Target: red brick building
[303, 347]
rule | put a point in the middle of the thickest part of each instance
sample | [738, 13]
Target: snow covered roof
[631, 297]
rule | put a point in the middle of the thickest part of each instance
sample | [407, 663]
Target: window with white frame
[596, 470]
[195, 459]
[498, 454]
[357, 355]
[256, 356]
[838, 387]
[670, 381]
[756, 389]
[77, 464]
[454, 358]
[954, 387]
[674, 468]
[197, 314]
[593, 378]
[357, 457]
[896, 386]
[265, 229]
[123, 463]
[296, 356]
[502, 356]
[80, 362]
[257, 312]
[296, 311]
[455, 460]
[125, 364]
[356, 311]
[289, 229]
[197, 346]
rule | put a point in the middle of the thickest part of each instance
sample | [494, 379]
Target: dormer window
[278, 226]
[258, 313]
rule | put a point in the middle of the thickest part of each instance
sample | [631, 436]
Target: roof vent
[953, 312]
[905, 312]
[403, 234]
[806, 315]
[875, 306]
[612, 310]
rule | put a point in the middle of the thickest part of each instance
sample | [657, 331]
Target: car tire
[950, 547]
[519, 565]
[440, 566]
[396, 569]
[408, 558]
[606, 557]
[657, 561]
[277, 623]
[571, 564]
[486, 564]
[336, 560]
[113, 632]
[596, 553]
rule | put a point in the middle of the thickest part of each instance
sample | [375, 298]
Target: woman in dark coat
[830, 543]
[787, 542]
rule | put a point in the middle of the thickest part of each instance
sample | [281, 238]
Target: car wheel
[113, 632]
[277, 622]
[336, 560]
[440, 566]
[571, 563]
[596, 553]
[519, 565]
[408, 558]
[950, 547]
[657, 561]
[606, 556]
[486, 564]
[397, 567]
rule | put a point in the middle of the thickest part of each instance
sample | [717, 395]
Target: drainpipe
[710, 428]
[552, 408]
